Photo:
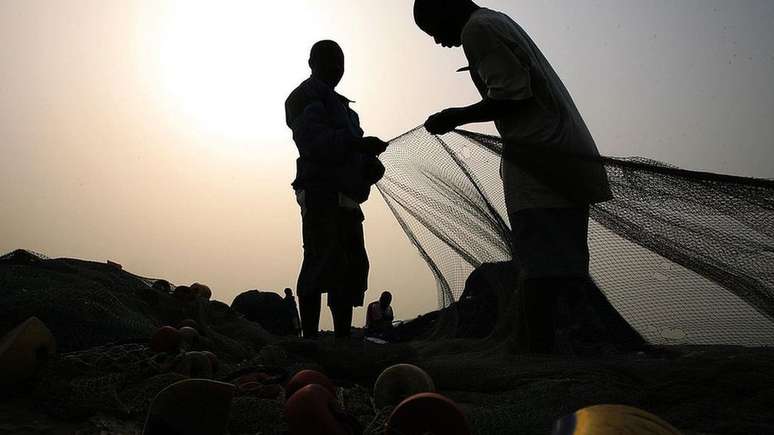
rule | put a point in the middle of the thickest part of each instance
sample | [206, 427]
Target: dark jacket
[327, 132]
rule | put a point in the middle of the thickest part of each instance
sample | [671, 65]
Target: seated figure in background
[379, 317]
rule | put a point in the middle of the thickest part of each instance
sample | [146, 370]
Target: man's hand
[485, 110]
[444, 121]
[373, 145]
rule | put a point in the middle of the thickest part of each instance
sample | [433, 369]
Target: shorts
[335, 259]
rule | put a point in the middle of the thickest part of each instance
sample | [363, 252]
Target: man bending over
[550, 168]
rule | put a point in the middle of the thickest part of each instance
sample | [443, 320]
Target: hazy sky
[152, 133]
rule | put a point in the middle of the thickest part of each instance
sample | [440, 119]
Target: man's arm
[389, 315]
[498, 71]
[315, 138]
[486, 110]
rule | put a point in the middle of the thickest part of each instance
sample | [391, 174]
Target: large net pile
[88, 304]
[106, 372]
[102, 318]
[685, 257]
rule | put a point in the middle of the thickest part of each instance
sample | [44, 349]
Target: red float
[311, 410]
[427, 413]
[308, 377]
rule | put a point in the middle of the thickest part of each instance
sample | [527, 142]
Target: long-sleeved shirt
[326, 132]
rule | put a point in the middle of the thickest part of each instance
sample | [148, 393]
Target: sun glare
[226, 65]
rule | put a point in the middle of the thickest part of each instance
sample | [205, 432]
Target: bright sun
[226, 64]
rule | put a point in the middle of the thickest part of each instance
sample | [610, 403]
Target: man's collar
[321, 84]
[343, 98]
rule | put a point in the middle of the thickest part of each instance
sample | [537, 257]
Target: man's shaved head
[424, 10]
[326, 59]
[443, 19]
[323, 50]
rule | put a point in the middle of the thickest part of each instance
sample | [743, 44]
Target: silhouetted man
[335, 170]
[290, 304]
[379, 317]
[550, 168]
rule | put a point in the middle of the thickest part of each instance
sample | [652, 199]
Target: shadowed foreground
[105, 374]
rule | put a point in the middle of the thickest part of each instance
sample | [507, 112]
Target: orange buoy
[307, 377]
[427, 413]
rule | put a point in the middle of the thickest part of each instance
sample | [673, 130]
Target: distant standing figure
[550, 169]
[335, 170]
[290, 303]
[379, 317]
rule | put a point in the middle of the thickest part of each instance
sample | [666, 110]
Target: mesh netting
[686, 257]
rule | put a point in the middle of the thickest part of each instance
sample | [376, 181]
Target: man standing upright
[335, 170]
[550, 169]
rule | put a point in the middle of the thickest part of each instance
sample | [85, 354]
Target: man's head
[443, 20]
[327, 62]
[288, 292]
[385, 299]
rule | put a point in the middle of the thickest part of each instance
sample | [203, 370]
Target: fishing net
[88, 304]
[685, 257]
[102, 318]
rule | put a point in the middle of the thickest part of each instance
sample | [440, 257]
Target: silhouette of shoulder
[487, 28]
[299, 99]
[310, 92]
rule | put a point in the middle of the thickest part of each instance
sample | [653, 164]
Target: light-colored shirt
[507, 65]
[375, 314]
